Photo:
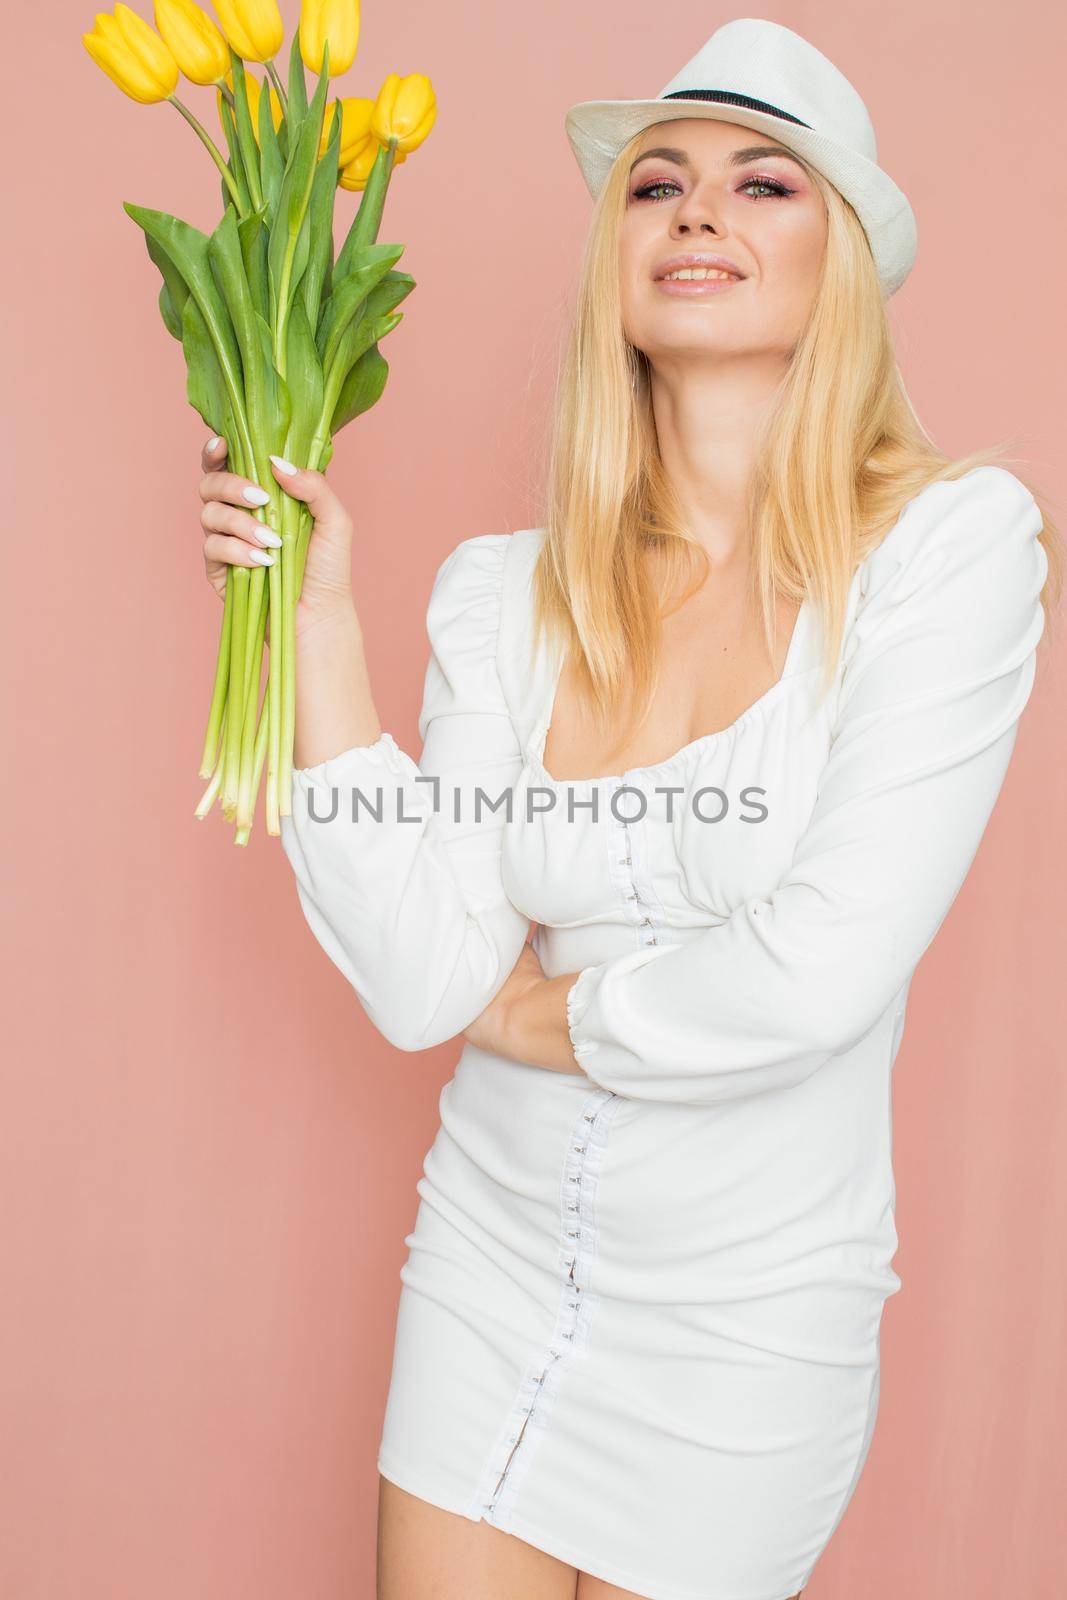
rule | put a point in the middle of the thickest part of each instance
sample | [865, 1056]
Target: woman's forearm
[334, 705]
[534, 1024]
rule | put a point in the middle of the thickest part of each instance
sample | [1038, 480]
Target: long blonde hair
[842, 452]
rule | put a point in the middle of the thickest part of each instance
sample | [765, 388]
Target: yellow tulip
[193, 39]
[253, 27]
[333, 20]
[254, 90]
[356, 113]
[133, 55]
[354, 175]
[405, 110]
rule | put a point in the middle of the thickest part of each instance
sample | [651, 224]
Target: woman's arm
[527, 1020]
[397, 863]
[334, 705]
[410, 905]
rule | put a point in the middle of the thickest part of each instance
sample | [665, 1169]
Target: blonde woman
[737, 715]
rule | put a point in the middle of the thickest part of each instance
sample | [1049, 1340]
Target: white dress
[639, 1318]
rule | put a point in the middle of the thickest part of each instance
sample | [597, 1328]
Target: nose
[682, 226]
[696, 211]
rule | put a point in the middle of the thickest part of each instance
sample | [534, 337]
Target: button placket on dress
[531, 1410]
[630, 868]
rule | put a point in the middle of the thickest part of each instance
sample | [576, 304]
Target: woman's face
[706, 192]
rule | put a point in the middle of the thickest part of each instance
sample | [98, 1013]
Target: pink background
[209, 1157]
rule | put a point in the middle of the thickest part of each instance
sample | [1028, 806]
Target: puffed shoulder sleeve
[397, 863]
[937, 666]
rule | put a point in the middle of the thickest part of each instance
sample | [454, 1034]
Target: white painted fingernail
[255, 495]
[266, 535]
[264, 558]
[212, 443]
[284, 466]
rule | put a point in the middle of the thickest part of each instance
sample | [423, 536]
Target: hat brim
[598, 130]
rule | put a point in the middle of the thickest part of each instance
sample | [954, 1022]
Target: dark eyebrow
[736, 158]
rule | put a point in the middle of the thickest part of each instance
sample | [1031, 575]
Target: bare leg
[425, 1553]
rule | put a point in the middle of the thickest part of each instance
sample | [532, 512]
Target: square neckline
[535, 751]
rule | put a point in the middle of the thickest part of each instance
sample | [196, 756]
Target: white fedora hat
[767, 77]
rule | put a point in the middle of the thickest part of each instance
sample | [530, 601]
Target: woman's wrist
[535, 1026]
[337, 620]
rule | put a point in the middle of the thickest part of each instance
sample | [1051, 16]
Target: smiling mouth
[687, 274]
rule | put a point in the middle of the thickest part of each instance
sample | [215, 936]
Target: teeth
[699, 272]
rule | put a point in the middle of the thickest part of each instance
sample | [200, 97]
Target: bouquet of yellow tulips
[281, 341]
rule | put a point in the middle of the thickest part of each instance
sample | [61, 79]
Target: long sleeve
[411, 907]
[938, 665]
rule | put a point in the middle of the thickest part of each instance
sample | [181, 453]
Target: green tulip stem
[275, 665]
[212, 148]
[224, 89]
[207, 799]
[236, 698]
[242, 835]
[258, 608]
[257, 601]
[222, 677]
[307, 521]
[297, 558]
[227, 117]
[292, 513]
[251, 672]
[277, 82]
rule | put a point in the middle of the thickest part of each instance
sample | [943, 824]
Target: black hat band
[730, 98]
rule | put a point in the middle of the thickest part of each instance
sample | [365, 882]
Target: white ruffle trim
[579, 996]
[384, 754]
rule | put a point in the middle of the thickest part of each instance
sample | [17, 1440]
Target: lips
[697, 258]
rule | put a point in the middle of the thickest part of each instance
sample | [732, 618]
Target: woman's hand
[527, 1019]
[235, 535]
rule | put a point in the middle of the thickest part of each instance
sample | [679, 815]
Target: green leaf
[246, 138]
[386, 295]
[185, 250]
[371, 323]
[369, 265]
[262, 383]
[361, 389]
[296, 94]
[276, 407]
[206, 387]
[175, 290]
[394, 287]
[290, 235]
[367, 220]
[167, 310]
[361, 333]
[315, 283]
[304, 381]
[254, 239]
[271, 155]
[228, 269]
